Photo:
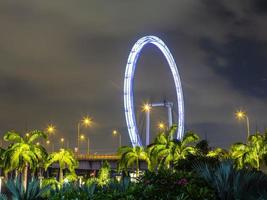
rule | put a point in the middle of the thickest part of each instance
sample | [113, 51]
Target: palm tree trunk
[60, 175]
[16, 174]
[137, 167]
[25, 176]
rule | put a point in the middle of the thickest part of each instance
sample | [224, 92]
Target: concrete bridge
[90, 164]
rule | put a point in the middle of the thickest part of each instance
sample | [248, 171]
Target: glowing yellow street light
[38, 143]
[82, 137]
[86, 121]
[116, 133]
[161, 125]
[241, 115]
[62, 140]
[146, 107]
[51, 129]
[27, 134]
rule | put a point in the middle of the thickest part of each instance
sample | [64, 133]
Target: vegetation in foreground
[182, 170]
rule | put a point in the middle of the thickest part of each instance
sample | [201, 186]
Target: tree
[104, 174]
[218, 153]
[251, 154]
[166, 151]
[64, 158]
[23, 153]
[203, 147]
[2, 159]
[131, 155]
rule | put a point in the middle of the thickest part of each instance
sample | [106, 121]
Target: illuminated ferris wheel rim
[128, 87]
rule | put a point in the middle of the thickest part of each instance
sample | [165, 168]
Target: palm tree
[131, 155]
[241, 154]
[2, 159]
[251, 154]
[64, 158]
[23, 153]
[166, 151]
[218, 153]
[203, 147]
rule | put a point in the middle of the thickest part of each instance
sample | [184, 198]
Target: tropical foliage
[251, 154]
[131, 156]
[33, 190]
[65, 159]
[104, 174]
[186, 169]
[230, 183]
[23, 153]
[165, 151]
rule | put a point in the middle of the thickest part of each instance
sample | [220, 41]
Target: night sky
[62, 60]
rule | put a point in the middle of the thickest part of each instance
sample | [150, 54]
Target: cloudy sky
[62, 60]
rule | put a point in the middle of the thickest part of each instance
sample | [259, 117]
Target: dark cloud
[62, 60]
[259, 6]
[220, 10]
[17, 90]
[242, 61]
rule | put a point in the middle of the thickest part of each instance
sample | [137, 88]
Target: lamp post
[51, 129]
[62, 142]
[82, 137]
[146, 109]
[116, 133]
[86, 121]
[161, 126]
[241, 115]
[48, 144]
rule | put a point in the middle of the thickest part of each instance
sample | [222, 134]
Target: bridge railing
[97, 157]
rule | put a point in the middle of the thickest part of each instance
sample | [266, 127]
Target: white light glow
[128, 87]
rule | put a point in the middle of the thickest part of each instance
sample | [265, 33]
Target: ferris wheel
[128, 87]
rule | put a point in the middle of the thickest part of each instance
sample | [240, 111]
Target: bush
[71, 191]
[230, 183]
[33, 191]
[168, 184]
[188, 163]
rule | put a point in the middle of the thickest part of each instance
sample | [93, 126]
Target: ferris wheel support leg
[147, 128]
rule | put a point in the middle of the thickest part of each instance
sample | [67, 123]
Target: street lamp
[62, 142]
[82, 137]
[47, 143]
[147, 108]
[86, 121]
[161, 126]
[51, 129]
[116, 133]
[241, 115]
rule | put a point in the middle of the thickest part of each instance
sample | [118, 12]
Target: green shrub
[230, 183]
[33, 191]
[71, 191]
[104, 174]
[169, 184]
[188, 163]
